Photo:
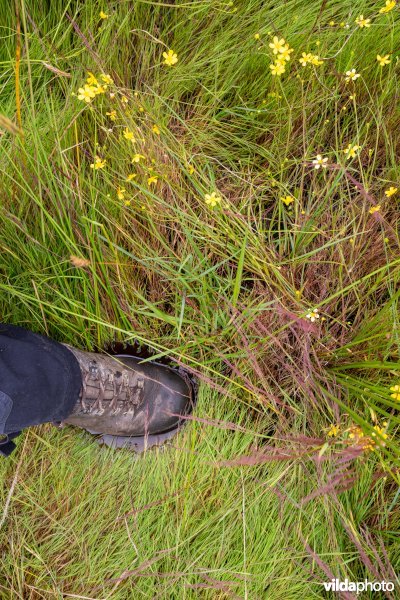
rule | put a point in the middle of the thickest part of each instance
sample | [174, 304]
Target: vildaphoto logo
[336, 585]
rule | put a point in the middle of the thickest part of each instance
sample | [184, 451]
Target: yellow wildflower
[103, 15]
[361, 22]
[277, 68]
[333, 431]
[383, 60]
[213, 199]
[87, 93]
[332, 23]
[127, 202]
[305, 58]
[320, 162]
[315, 60]
[100, 89]
[112, 114]
[396, 392]
[137, 158]
[256, 36]
[389, 5]
[285, 53]
[171, 58]
[287, 200]
[124, 99]
[277, 45]
[156, 130]
[98, 163]
[131, 176]
[365, 442]
[106, 79]
[358, 438]
[308, 58]
[121, 193]
[391, 191]
[128, 135]
[351, 75]
[380, 434]
[356, 433]
[351, 150]
[91, 80]
[152, 179]
[374, 209]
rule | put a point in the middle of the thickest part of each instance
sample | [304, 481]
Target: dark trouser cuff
[6, 445]
[40, 380]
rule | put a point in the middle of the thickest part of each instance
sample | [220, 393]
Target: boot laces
[123, 387]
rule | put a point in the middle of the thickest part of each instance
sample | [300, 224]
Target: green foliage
[88, 257]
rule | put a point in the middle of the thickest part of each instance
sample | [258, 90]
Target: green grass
[271, 508]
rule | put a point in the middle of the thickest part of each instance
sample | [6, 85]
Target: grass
[254, 499]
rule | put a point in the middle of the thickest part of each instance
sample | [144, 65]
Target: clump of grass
[244, 223]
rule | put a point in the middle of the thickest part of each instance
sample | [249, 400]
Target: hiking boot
[121, 397]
